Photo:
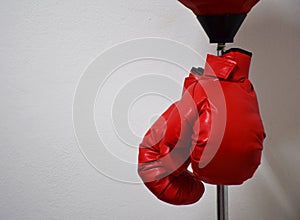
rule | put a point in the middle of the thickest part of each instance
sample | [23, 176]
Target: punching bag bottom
[221, 28]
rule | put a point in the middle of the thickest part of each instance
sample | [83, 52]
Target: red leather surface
[164, 158]
[188, 132]
[215, 7]
[239, 154]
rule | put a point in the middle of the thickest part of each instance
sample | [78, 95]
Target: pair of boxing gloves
[215, 126]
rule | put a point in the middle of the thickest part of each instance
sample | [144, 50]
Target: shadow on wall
[276, 76]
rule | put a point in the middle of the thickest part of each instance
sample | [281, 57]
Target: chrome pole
[222, 191]
[220, 49]
[222, 200]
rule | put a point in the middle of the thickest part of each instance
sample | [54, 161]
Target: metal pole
[222, 191]
[222, 200]
[220, 49]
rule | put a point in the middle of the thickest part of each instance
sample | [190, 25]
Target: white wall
[45, 46]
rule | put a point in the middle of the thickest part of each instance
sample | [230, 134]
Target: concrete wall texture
[45, 46]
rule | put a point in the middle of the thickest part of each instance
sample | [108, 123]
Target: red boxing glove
[217, 7]
[216, 123]
[239, 153]
[164, 157]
